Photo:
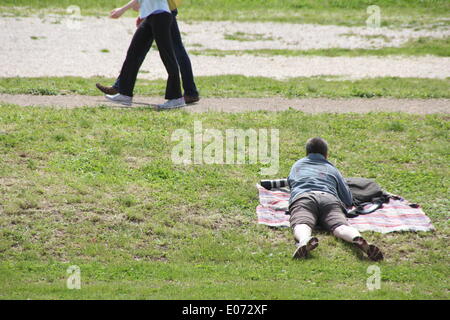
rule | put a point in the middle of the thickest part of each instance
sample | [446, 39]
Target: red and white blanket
[397, 215]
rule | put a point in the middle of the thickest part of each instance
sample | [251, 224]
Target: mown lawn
[225, 86]
[411, 13]
[96, 188]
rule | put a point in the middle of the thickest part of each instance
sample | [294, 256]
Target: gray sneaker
[172, 104]
[120, 98]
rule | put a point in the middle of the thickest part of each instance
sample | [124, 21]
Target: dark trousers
[154, 27]
[182, 57]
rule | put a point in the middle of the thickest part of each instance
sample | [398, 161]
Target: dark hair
[317, 145]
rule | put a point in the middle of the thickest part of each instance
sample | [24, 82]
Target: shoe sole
[302, 251]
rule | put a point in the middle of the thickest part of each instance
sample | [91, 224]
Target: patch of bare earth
[52, 46]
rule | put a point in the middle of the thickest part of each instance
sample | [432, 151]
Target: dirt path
[312, 105]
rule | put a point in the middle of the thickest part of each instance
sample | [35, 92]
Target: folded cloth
[397, 215]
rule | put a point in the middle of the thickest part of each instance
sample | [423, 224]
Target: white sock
[302, 232]
[346, 233]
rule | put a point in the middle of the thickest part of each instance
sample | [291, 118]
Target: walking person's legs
[190, 89]
[161, 30]
[191, 93]
[114, 89]
[140, 59]
[139, 46]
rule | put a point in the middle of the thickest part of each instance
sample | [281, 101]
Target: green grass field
[340, 12]
[96, 187]
[240, 86]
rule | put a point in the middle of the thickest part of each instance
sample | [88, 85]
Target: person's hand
[138, 21]
[116, 13]
[136, 6]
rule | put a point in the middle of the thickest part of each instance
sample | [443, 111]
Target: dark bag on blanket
[368, 196]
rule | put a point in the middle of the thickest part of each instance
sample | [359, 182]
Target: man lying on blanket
[319, 195]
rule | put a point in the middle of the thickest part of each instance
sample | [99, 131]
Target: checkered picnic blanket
[397, 215]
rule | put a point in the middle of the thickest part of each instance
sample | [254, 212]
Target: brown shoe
[373, 252]
[191, 99]
[302, 251]
[107, 90]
